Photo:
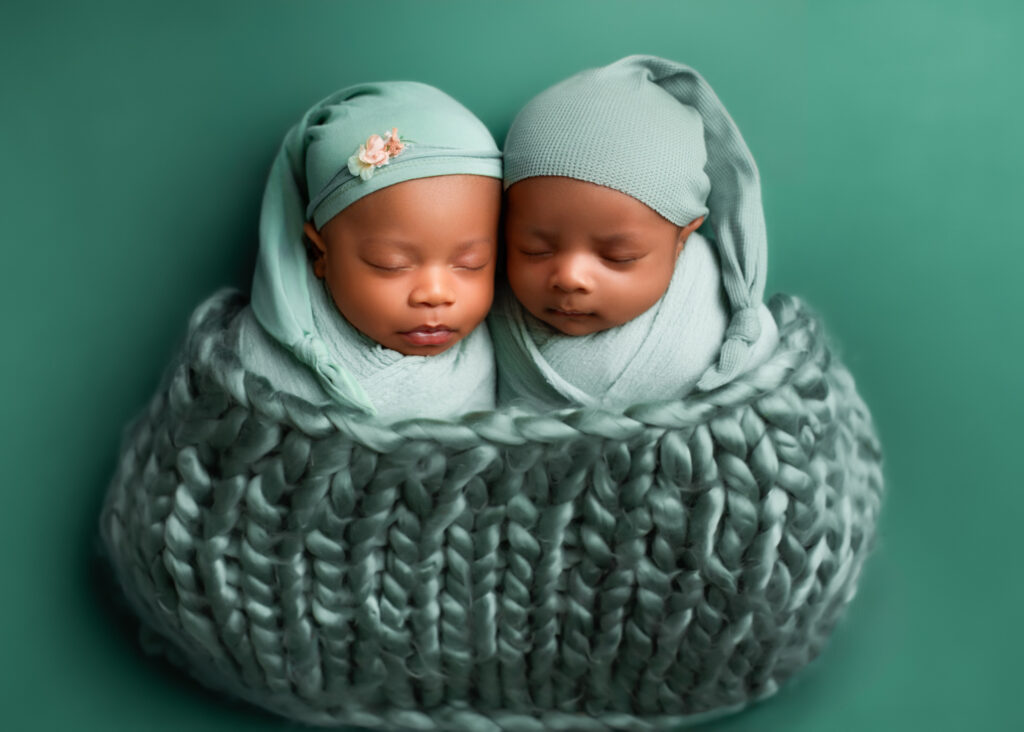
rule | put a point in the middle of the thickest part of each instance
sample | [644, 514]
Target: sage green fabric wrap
[310, 180]
[655, 130]
[460, 380]
[581, 570]
[660, 354]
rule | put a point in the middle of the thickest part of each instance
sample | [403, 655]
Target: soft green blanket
[659, 355]
[585, 570]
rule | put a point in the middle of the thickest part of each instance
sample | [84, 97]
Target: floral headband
[380, 150]
[376, 152]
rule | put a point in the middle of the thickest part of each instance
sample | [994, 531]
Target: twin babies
[634, 237]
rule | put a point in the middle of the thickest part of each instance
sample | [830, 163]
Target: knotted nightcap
[654, 130]
[311, 180]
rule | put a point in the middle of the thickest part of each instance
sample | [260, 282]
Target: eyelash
[387, 269]
[627, 260]
[402, 269]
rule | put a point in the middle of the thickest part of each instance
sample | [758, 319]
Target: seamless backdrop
[134, 142]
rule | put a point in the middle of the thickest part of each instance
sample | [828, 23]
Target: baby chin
[573, 322]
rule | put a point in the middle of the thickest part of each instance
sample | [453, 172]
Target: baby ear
[684, 233]
[318, 250]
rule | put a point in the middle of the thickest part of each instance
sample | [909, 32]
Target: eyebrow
[412, 246]
[400, 243]
[621, 237]
[469, 243]
[543, 233]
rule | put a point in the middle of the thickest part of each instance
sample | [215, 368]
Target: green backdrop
[134, 141]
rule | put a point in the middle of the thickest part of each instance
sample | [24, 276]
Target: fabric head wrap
[654, 130]
[311, 180]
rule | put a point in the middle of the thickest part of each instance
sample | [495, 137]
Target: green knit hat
[328, 161]
[654, 130]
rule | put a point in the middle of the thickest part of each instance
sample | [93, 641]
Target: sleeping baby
[635, 243]
[378, 239]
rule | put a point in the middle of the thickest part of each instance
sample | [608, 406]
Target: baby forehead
[563, 201]
[456, 203]
[427, 244]
[424, 195]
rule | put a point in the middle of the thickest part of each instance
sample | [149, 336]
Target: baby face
[583, 257]
[412, 265]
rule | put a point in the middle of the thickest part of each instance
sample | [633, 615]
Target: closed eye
[382, 268]
[471, 261]
[623, 260]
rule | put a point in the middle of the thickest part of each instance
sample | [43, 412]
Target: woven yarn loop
[576, 570]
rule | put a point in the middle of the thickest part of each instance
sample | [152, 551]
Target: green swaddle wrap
[402, 387]
[654, 130]
[311, 179]
[659, 355]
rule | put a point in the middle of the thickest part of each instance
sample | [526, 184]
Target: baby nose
[433, 288]
[572, 274]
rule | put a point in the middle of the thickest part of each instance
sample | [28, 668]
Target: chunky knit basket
[579, 570]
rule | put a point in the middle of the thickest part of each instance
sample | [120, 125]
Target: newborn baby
[613, 177]
[378, 238]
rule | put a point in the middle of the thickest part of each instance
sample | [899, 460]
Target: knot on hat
[312, 350]
[743, 331]
[340, 384]
[745, 325]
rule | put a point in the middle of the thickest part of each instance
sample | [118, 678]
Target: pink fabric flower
[374, 153]
[394, 144]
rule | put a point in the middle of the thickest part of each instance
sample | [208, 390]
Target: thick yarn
[655, 130]
[579, 570]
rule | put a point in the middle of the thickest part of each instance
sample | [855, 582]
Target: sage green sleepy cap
[317, 174]
[654, 129]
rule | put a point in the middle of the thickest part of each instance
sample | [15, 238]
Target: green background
[135, 141]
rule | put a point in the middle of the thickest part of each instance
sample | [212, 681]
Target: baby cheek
[524, 286]
[640, 292]
[479, 293]
[378, 298]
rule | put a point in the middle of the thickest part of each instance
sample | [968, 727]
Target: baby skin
[583, 257]
[412, 265]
